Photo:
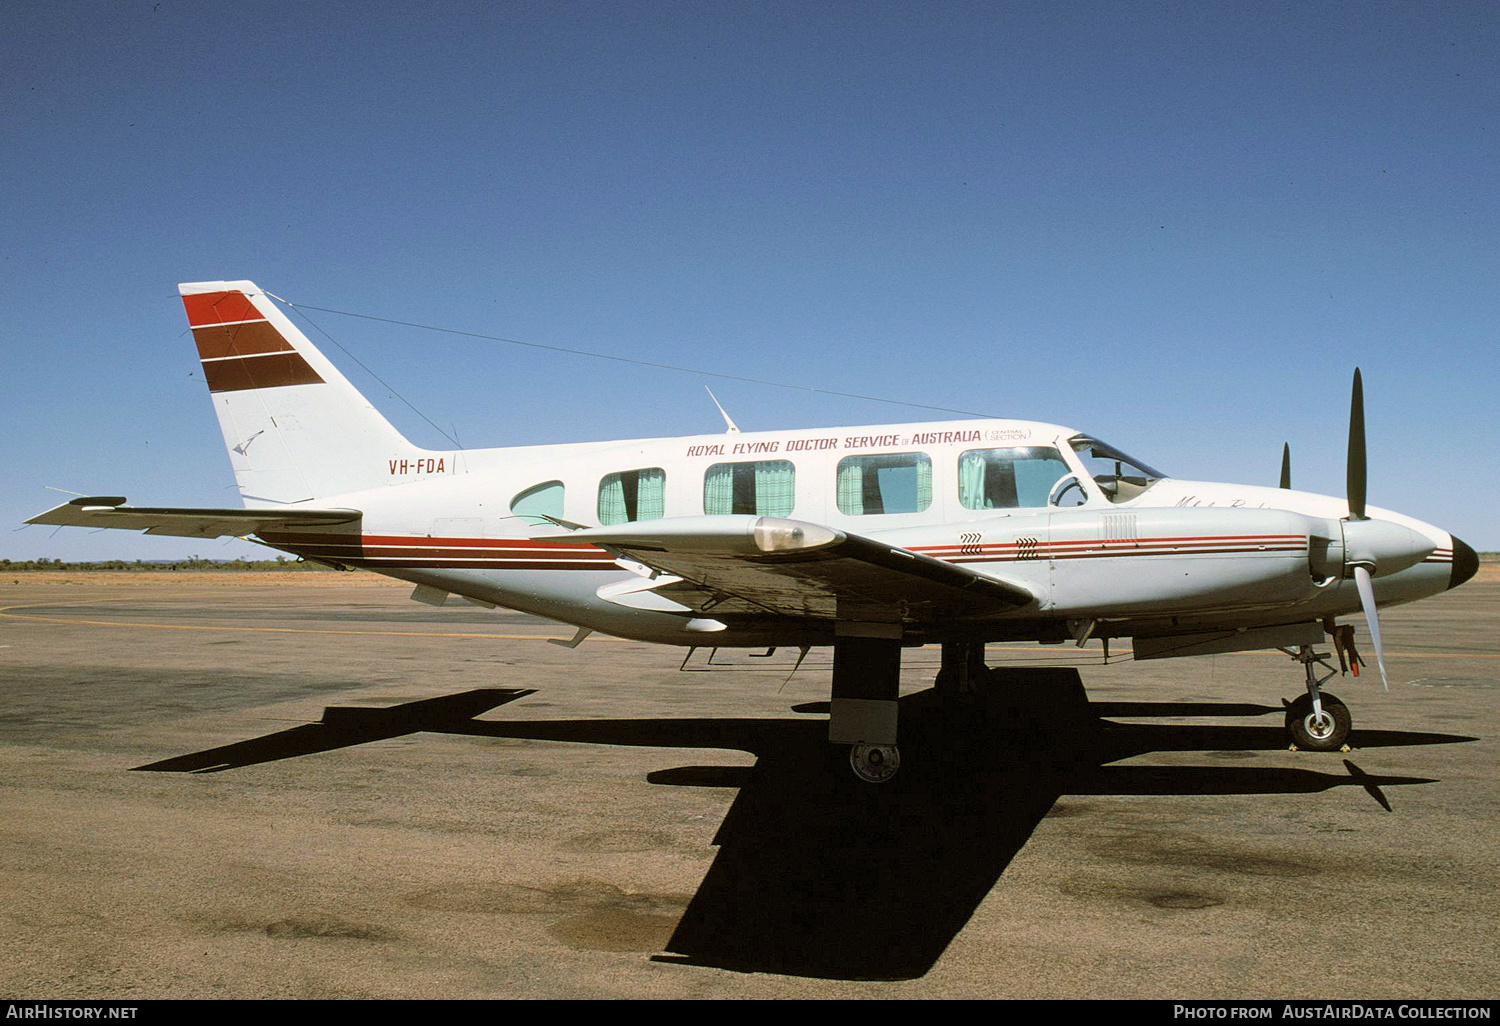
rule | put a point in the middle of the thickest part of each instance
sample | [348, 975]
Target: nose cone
[1465, 564]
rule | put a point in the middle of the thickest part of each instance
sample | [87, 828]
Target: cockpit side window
[1015, 478]
[1118, 476]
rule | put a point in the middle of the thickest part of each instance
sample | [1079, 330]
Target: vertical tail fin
[295, 427]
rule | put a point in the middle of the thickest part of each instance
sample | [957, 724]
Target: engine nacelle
[1170, 560]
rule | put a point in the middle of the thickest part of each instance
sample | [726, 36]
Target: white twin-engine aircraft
[868, 539]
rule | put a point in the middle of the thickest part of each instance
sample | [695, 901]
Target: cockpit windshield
[1119, 477]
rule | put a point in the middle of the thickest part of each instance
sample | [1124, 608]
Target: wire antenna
[624, 359]
[383, 383]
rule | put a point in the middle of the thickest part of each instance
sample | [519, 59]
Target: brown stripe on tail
[251, 338]
[239, 348]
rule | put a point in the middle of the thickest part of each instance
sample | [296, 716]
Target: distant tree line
[191, 563]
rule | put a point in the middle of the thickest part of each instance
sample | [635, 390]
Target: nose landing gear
[1317, 721]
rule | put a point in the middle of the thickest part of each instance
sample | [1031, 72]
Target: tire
[874, 764]
[1310, 735]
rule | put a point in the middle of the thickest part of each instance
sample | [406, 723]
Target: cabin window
[765, 487]
[633, 495]
[543, 500]
[897, 482]
[1014, 478]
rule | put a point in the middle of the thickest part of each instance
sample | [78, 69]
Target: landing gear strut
[866, 686]
[962, 668]
[1317, 721]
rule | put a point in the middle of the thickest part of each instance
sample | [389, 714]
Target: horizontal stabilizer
[111, 511]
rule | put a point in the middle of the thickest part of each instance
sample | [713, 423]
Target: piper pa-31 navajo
[868, 539]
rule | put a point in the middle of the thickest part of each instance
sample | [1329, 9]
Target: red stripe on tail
[220, 308]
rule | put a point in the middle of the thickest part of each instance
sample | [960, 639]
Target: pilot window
[1119, 477]
[765, 487]
[540, 501]
[633, 495]
[1014, 478]
[898, 482]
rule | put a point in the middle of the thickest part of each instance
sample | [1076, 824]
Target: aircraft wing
[747, 565]
[111, 511]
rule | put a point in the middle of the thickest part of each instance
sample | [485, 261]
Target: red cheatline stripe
[405, 563]
[368, 540]
[1017, 558]
[500, 543]
[419, 558]
[1126, 550]
[1162, 540]
[1024, 552]
[1241, 539]
[437, 552]
[518, 553]
[1169, 552]
[1009, 551]
[416, 553]
[393, 551]
[219, 308]
[573, 551]
[1125, 546]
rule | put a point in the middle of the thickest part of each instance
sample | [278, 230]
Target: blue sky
[1176, 226]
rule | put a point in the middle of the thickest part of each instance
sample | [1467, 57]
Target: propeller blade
[1367, 600]
[1356, 463]
[1286, 465]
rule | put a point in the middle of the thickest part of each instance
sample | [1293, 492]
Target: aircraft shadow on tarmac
[817, 876]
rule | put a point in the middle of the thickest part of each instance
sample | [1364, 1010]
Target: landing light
[775, 535]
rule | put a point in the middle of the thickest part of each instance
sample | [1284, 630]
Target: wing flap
[184, 522]
[749, 566]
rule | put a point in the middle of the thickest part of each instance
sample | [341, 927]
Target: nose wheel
[1318, 730]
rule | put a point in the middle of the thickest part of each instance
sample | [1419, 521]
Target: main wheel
[875, 764]
[1325, 734]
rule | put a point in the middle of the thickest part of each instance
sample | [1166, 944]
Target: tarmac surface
[305, 785]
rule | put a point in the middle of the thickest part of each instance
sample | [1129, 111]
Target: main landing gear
[1317, 721]
[867, 684]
